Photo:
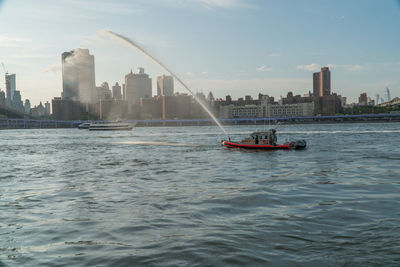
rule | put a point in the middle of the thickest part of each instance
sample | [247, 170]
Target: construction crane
[5, 71]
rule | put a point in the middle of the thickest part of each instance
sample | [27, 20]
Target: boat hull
[254, 146]
[84, 126]
[298, 145]
[110, 127]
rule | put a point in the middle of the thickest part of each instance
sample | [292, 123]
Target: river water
[172, 196]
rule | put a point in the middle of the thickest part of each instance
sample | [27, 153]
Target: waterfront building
[325, 103]
[137, 86]
[295, 99]
[112, 109]
[47, 108]
[291, 110]
[78, 75]
[103, 92]
[267, 110]
[363, 99]
[325, 81]
[38, 111]
[265, 107]
[2, 98]
[165, 85]
[322, 82]
[316, 91]
[328, 105]
[153, 108]
[16, 102]
[67, 109]
[123, 92]
[246, 111]
[394, 102]
[10, 86]
[343, 100]
[228, 99]
[116, 92]
[178, 106]
[27, 106]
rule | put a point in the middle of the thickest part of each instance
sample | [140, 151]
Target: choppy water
[175, 197]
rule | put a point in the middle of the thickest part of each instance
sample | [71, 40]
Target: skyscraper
[103, 92]
[47, 108]
[325, 81]
[363, 99]
[10, 86]
[165, 85]
[137, 86]
[316, 91]
[116, 92]
[2, 98]
[78, 75]
[17, 102]
[322, 82]
[27, 106]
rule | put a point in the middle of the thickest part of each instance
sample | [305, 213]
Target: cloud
[116, 8]
[310, 67]
[345, 67]
[226, 3]
[263, 68]
[354, 67]
[9, 41]
[189, 73]
[274, 55]
[340, 17]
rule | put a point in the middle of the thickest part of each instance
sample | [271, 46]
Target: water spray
[138, 47]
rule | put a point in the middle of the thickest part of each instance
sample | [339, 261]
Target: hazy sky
[234, 47]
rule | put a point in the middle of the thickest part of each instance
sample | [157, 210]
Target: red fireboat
[266, 140]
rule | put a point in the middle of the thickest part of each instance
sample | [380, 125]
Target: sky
[235, 47]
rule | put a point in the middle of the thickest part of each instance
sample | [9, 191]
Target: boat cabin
[262, 138]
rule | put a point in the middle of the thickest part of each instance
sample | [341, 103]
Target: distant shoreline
[51, 124]
[282, 123]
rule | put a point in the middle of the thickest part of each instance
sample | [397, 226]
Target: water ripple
[76, 198]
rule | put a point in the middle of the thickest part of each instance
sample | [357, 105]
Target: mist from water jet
[131, 43]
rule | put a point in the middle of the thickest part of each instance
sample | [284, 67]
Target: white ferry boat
[115, 126]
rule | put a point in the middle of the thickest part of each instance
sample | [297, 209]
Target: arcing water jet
[134, 45]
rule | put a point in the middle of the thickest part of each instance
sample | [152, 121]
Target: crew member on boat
[271, 137]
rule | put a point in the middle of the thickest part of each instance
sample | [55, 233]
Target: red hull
[260, 146]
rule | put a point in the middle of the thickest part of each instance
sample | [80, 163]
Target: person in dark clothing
[274, 138]
[256, 140]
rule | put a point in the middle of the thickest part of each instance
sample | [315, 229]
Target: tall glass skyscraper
[10, 86]
[78, 74]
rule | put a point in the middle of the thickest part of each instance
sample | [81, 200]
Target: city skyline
[280, 44]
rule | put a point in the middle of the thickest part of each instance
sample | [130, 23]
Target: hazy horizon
[230, 47]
